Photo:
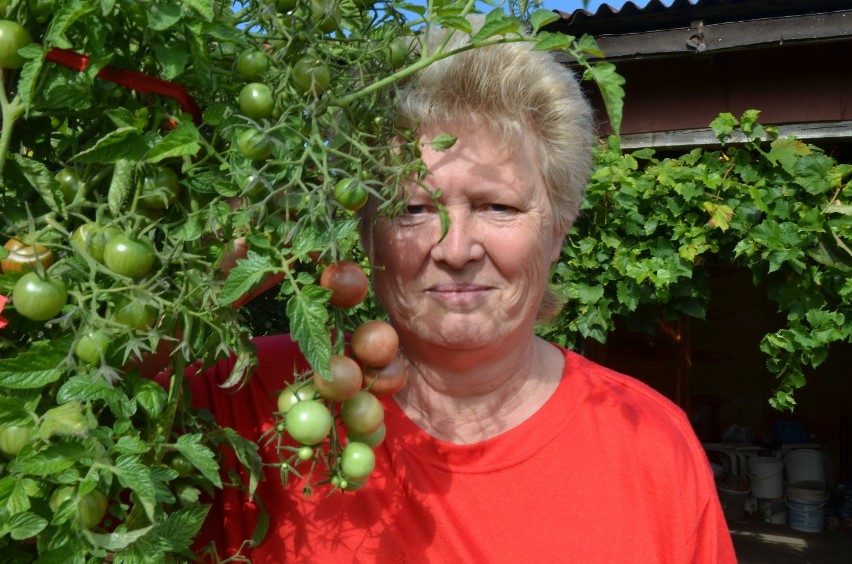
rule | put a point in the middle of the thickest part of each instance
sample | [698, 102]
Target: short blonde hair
[509, 90]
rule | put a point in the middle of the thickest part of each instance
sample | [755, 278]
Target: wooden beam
[704, 137]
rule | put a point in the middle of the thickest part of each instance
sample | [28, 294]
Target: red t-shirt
[607, 470]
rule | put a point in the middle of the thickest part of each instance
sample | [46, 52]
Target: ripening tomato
[347, 282]
[357, 460]
[375, 343]
[387, 379]
[39, 298]
[362, 413]
[91, 509]
[373, 440]
[308, 422]
[60, 496]
[128, 256]
[24, 258]
[13, 438]
[69, 184]
[345, 380]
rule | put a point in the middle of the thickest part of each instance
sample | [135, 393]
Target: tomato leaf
[133, 474]
[177, 530]
[201, 456]
[24, 525]
[115, 541]
[443, 142]
[172, 59]
[610, 84]
[546, 41]
[497, 22]
[247, 454]
[29, 73]
[308, 318]
[53, 459]
[184, 140]
[248, 273]
[541, 18]
[42, 180]
[150, 396]
[68, 419]
[165, 16]
[121, 184]
[123, 143]
[203, 7]
[36, 367]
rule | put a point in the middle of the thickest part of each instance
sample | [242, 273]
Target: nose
[462, 243]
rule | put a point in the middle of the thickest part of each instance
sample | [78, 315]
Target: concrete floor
[756, 542]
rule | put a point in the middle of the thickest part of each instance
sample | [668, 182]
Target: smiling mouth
[459, 294]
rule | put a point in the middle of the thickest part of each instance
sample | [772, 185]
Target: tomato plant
[347, 282]
[126, 146]
[39, 298]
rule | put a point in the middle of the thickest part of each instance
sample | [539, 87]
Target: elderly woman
[501, 447]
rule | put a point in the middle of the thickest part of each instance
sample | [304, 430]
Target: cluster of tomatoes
[309, 407]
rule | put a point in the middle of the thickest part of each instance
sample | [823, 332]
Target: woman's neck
[465, 399]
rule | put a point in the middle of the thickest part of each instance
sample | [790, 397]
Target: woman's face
[481, 285]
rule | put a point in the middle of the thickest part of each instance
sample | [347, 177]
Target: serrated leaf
[116, 540]
[172, 59]
[204, 8]
[456, 22]
[65, 15]
[546, 41]
[179, 529]
[25, 525]
[29, 73]
[247, 453]
[497, 22]
[55, 458]
[43, 181]
[201, 456]
[610, 84]
[134, 475]
[248, 273]
[443, 142]
[164, 15]
[184, 140]
[36, 367]
[14, 412]
[541, 18]
[121, 185]
[131, 445]
[812, 173]
[151, 397]
[308, 318]
[125, 143]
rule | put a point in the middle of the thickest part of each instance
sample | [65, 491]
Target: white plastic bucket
[806, 502]
[767, 477]
[804, 465]
[733, 503]
[772, 511]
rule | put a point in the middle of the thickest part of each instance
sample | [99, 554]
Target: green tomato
[39, 298]
[324, 15]
[395, 53]
[256, 100]
[13, 36]
[160, 188]
[92, 346]
[311, 76]
[181, 464]
[129, 257]
[136, 315]
[254, 145]
[13, 438]
[91, 509]
[373, 440]
[357, 460]
[350, 194]
[308, 422]
[69, 184]
[60, 496]
[90, 238]
[252, 64]
[301, 391]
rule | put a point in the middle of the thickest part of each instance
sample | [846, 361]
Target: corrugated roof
[656, 15]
